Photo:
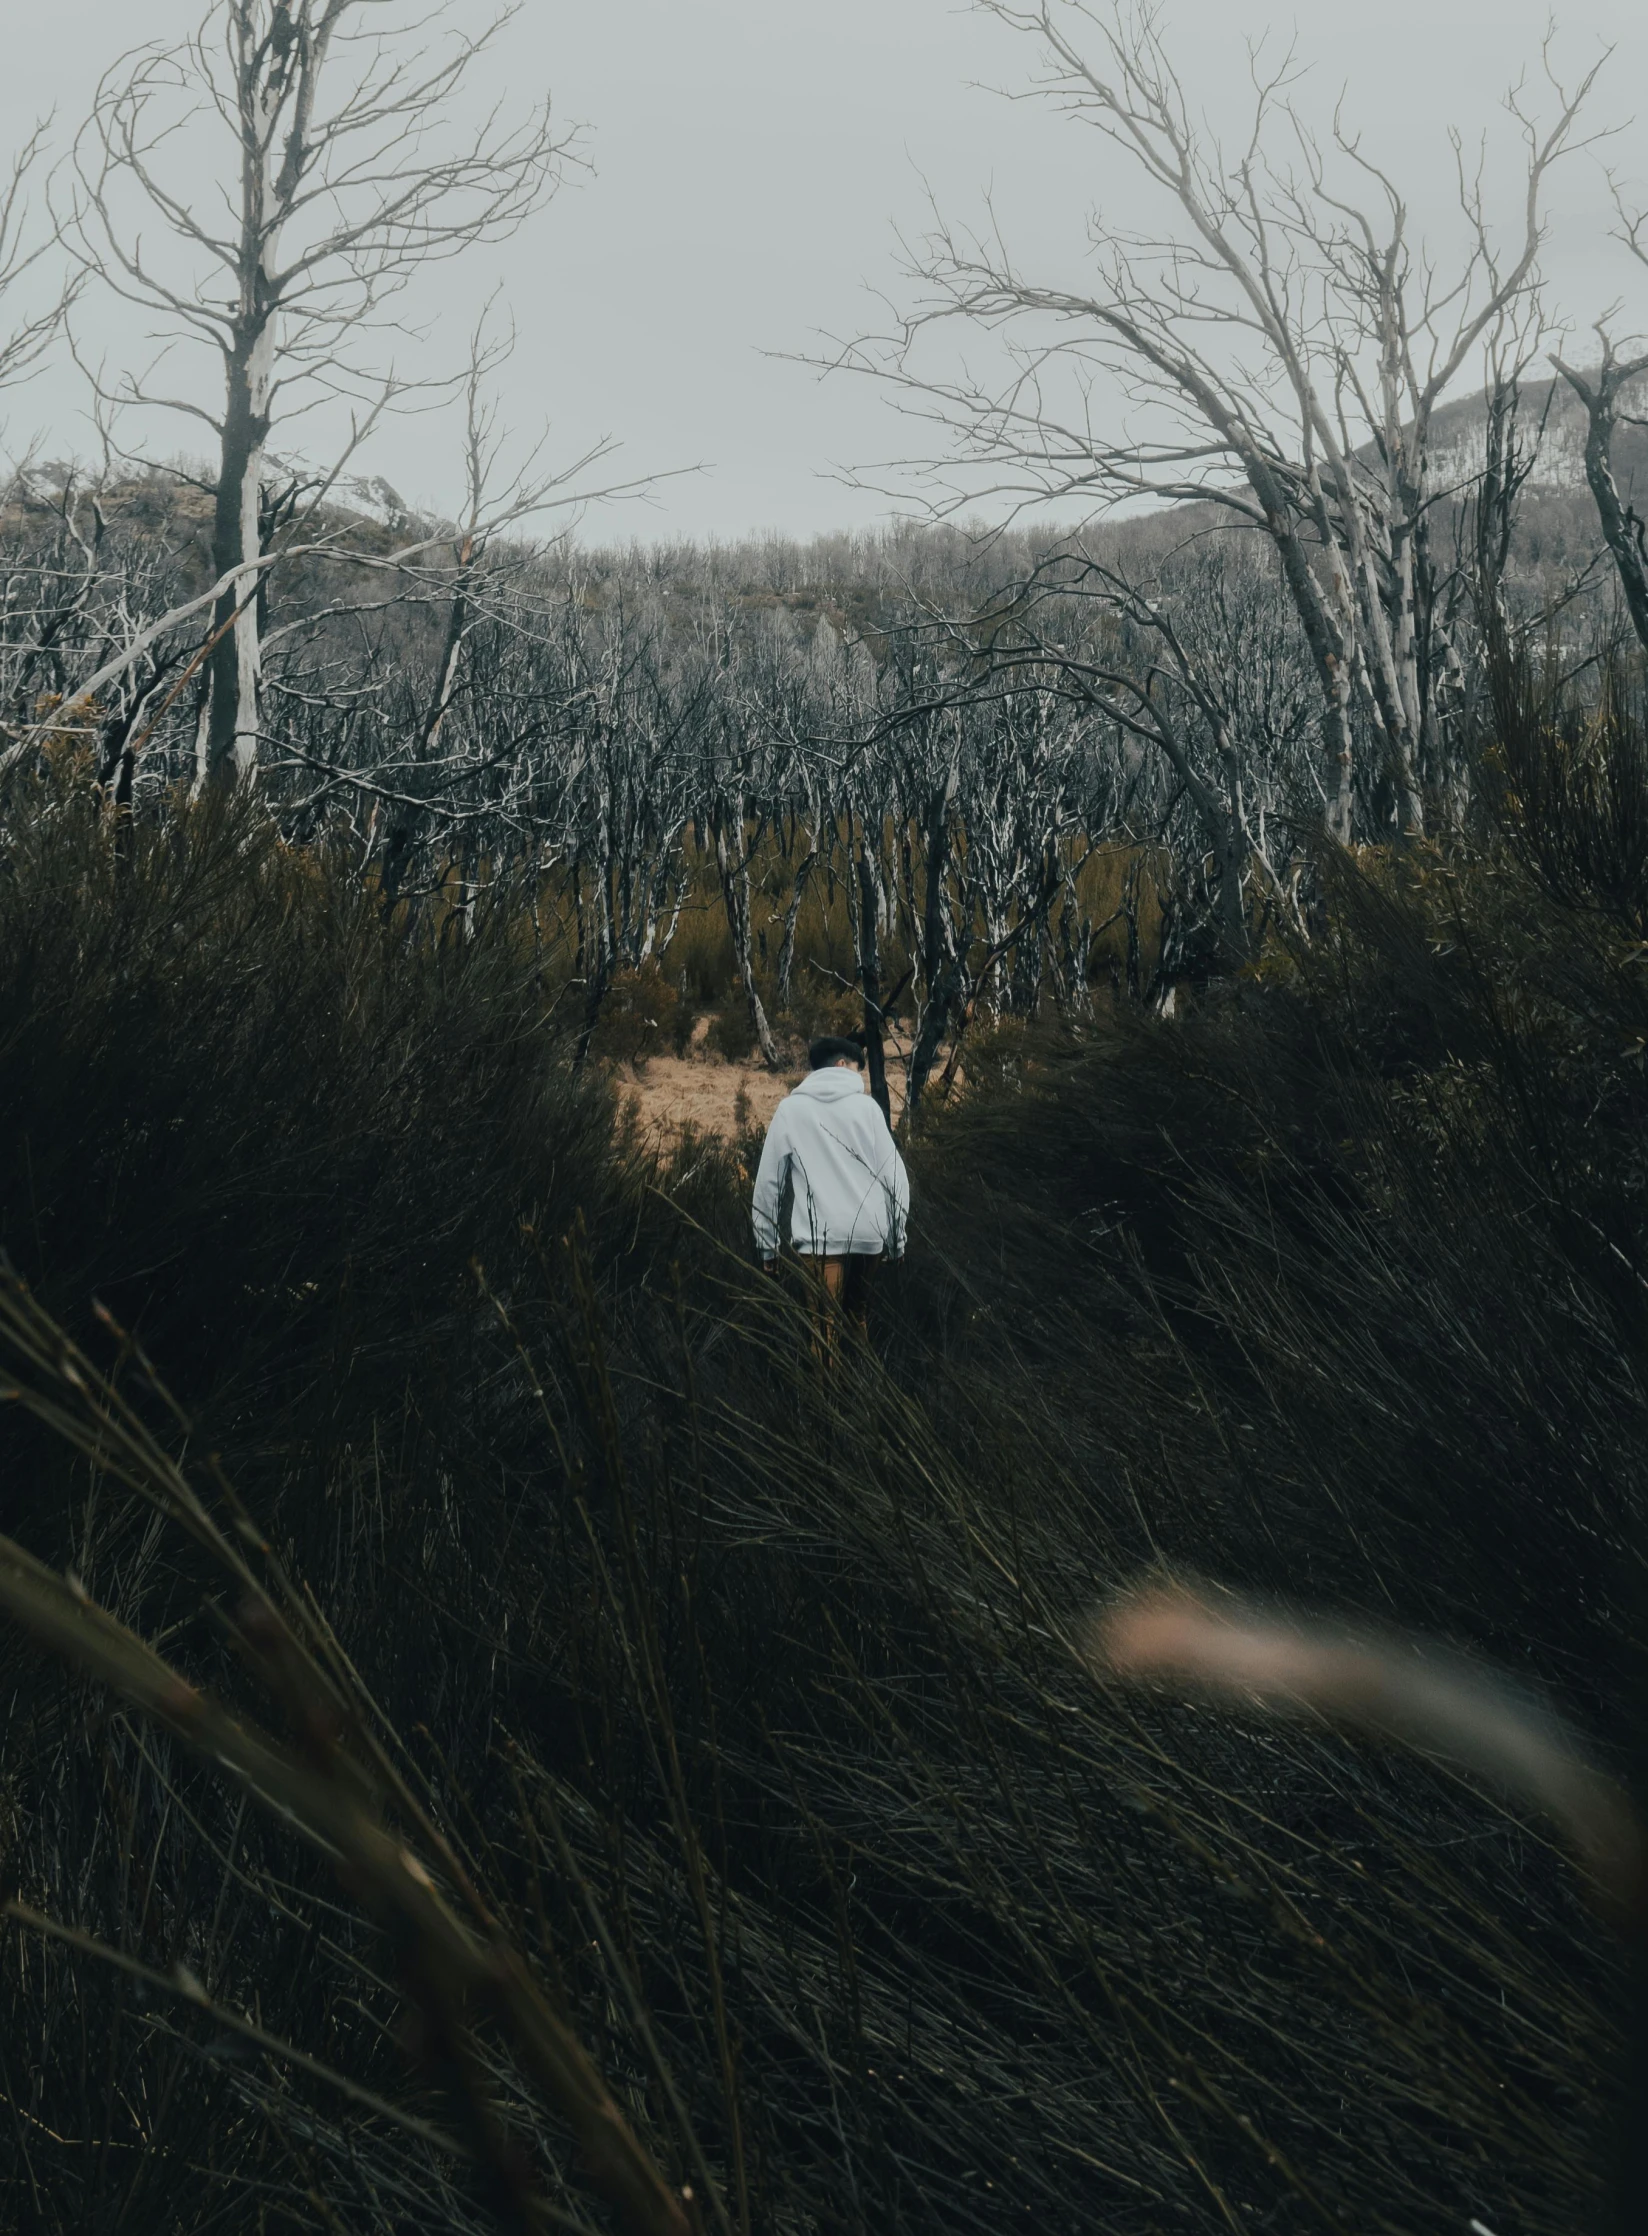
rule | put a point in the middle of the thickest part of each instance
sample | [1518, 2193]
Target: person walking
[850, 1195]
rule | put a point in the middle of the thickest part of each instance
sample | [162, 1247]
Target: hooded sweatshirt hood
[830, 1083]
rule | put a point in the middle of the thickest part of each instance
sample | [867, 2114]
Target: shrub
[732, 1034]
[700, 957]
[638, 1017]
[828, 1009]
[268, 1132]
[1001, 1052]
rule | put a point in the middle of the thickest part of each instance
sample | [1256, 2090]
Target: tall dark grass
[746, 1685]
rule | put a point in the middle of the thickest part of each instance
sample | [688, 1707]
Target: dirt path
[673, 1095]
[701, 1093]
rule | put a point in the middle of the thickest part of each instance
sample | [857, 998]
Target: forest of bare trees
[945, 726]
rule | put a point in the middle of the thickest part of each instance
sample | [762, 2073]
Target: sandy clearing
[674, 1094]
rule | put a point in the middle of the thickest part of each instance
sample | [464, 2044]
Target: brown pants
[841, 1291]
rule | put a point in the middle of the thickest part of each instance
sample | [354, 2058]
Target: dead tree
[1602, 394]
[336, 194]
[1278, 348]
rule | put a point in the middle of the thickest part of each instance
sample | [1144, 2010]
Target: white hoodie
[829, 1139]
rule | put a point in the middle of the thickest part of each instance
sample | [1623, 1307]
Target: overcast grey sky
[752, 158]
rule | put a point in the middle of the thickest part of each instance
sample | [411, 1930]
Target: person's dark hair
[833, 1048]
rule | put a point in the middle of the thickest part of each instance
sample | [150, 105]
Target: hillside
[744, 1687]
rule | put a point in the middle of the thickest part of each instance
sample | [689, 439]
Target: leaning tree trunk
[869, 973]
[792, 916]
[735, 894]
[1328, 636]
[401, 817]
[945, 994]
[943, 964]
[1622, 529]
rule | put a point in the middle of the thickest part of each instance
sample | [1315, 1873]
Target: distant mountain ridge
[1552, 410]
